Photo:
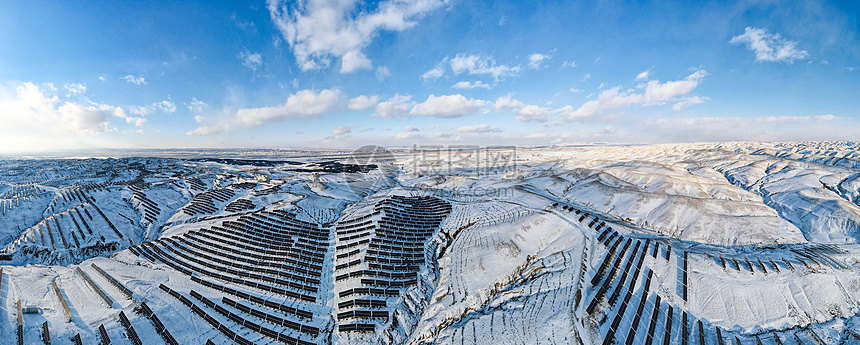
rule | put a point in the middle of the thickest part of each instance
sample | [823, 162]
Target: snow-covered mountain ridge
[718, 243]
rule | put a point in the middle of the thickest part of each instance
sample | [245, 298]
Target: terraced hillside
[737, 243]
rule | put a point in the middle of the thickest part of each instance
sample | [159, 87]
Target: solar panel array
[266, 264]
[378, 254]
[649, 319]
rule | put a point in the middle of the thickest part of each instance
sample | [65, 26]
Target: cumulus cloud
[688, 101]
[472, 65]
[134, 80]
[437, 72]
[643, 75]
[769, 47]
[75, 88]
[531, 113]
[411, 129]
[396, 107]
[409, 135]
[535, 60]
[342, 130]
[475, 65]
[523, 112]
[508, 103]
[164, 106]
[382, 72]
[470, 85]
[655, 93]
[353, 61]
[196, 105]
[447, 136]
[251, 60]
[89, 120]
[483, 128]
[319, 30]
[362, 102]
[447, 106]
[305, 104]
[31, 113]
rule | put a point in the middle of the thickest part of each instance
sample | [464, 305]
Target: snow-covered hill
[722, 243]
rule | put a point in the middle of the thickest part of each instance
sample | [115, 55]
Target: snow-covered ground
[751, 242]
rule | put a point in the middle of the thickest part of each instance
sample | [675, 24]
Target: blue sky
[346, 73]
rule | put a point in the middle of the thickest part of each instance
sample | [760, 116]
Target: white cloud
[548, 134]
[472, 65]
[795, 119]
[304, 104]
[396, 107]
[447, 136]
[769, 47]
[574, 90]
[508, 103]
[643, 75]
[141, 111]
[318, 30]
[411, 129]
[436, 72]
[200, 119]
[353, 61]
[532, 113]
[342, 130]
[196, 105]
[362, 103]
[655, 93]
[475, 65]
[31, 114]
[523, 112]
[535, 60]
[382, 72]
[470, 85]
[251, 60]
[586, 76]
[75, 88]
[136, 121]
[570, 64]
[134, 80]
[409, 135]
[165, 106]
[137, 132]
[102, 78]
[484, 128]
[686, 102]
[244, 25]
[447, 106]
[768, 128]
